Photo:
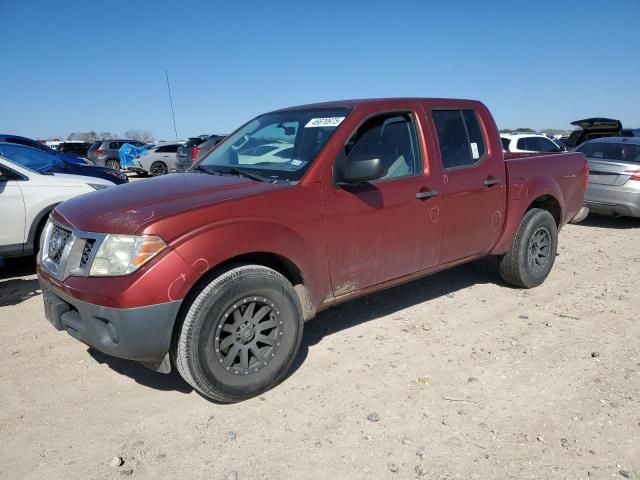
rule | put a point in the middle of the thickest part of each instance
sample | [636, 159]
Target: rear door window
[167, 149]
[537, 144]
[460, 137]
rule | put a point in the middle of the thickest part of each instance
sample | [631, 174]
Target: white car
[528, 142]
[26, 199]
[159, 160]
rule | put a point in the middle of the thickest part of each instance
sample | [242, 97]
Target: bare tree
[106, 135]
[83, 136]
[89, 137]
[140, 135]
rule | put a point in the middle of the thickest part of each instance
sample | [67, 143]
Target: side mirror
[359, 171]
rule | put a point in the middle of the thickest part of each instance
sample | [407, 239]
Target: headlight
[124, 254]
[120, 175]
[97, 186]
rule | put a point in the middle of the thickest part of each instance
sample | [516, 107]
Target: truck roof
[377, 102]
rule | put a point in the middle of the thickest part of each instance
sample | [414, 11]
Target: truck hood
[129, 208]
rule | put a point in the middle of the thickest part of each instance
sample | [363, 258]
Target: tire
[158, 168]
[112, 163]
[220, 321]
[533, 251]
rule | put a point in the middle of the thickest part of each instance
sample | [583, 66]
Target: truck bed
[559, 175]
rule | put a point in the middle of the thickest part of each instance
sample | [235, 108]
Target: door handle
[491, 181]
[426, 194]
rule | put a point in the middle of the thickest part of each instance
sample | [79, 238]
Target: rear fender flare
[522, 194]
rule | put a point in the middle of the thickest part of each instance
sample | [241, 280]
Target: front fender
[522, 193]
[211, 245]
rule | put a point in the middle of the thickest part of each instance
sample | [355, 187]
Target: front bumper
[142, 333]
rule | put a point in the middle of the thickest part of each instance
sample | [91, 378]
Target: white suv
[27, 197]
[528, 142]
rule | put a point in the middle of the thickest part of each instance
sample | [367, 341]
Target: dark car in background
[206, 146]
[614, 176]
[50, 161]
[191, 150]
[79, 149]
[591, 128]
[66, 157]
[106, 152]
[186, 154]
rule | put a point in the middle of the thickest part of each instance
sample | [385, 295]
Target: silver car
[614, 176]
[159, 160]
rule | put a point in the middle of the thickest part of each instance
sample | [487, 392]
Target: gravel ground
[452, 376]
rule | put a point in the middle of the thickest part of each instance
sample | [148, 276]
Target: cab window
[460, 137]
[390, 137]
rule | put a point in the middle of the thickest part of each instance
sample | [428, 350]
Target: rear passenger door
[472, 185]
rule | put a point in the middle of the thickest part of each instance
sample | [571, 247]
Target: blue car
[47, 160]
[39, 146]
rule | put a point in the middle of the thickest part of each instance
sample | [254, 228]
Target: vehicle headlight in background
[124, 254]
[97, 186]
[120, 175]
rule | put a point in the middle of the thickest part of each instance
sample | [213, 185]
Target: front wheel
[240, 334]
[533, 251]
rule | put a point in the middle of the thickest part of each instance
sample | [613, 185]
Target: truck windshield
[279, 146]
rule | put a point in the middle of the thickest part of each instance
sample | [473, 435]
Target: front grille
[86, 252]
[57, 241]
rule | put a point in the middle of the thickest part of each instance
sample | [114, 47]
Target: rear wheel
[240, 334]
[113, 163]
[533, 251]
[158, 168]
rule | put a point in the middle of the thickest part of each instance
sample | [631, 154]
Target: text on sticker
[324, 122]
[474, 151]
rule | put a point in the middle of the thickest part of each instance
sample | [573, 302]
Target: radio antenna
[173, 115]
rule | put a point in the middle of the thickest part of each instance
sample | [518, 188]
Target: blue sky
[85, 65]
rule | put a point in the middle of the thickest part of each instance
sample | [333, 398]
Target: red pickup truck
[214, 271]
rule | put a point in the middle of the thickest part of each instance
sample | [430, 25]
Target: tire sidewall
[164, 172]
[540, 218]
[210, 310]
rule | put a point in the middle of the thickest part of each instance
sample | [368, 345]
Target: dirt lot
[453, 376]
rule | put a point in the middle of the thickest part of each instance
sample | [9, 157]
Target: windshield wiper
[200, 168]
[244, 173]
[240, 172]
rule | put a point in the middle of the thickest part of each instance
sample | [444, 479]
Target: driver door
[380, 230]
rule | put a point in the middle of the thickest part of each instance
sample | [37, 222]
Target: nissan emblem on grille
[57, 243]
